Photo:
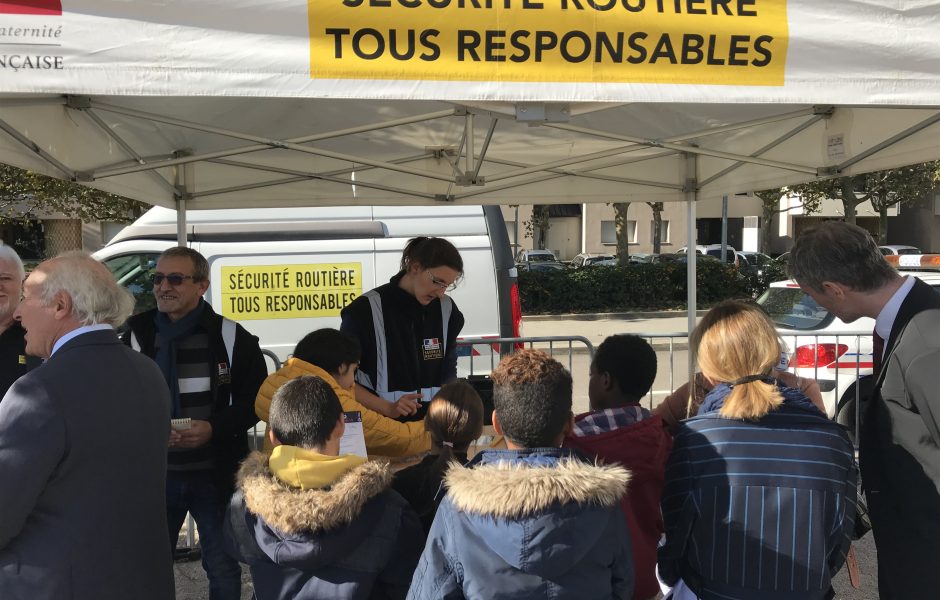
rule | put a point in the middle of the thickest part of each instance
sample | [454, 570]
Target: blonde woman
[760, 489]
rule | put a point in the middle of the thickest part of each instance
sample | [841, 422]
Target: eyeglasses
[172, 279]
[441, 283]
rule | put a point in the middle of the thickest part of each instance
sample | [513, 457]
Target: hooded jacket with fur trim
[356, 539]
[535, 523]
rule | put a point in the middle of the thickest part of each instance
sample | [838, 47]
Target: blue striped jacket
[758, 509]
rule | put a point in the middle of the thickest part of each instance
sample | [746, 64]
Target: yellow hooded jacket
[384, 436]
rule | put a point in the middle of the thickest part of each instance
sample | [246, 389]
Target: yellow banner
[714, 42]
[289, 291]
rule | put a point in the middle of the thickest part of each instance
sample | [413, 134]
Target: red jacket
[643, 448]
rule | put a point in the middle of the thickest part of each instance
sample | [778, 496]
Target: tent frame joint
[78, 102]
[467, 179]
[444, 197]
[824, 110]
[83, 176]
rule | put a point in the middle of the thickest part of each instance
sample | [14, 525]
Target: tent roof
[263, 106]
[296, 152]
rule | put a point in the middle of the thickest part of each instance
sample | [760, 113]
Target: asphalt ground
[191, 583]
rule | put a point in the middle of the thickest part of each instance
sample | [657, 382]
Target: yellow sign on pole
[710, 42]
[289, 291]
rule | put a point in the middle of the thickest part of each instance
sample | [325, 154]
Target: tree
[537, 227]
[908, 186]
[657, 225]
[26, 193]
[770, 206]
[622, 227]
[904, 185]
[839, 187]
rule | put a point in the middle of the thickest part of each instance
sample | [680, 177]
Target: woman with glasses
[408, 330]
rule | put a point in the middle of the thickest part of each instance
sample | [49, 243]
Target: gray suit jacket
[900, 456]
[83, 443]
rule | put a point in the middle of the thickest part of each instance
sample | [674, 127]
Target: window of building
[609, 233]
[663, 231]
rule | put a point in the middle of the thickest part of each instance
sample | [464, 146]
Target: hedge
[643, 287]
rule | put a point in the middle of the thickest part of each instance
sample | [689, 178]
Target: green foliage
[537, 228]
[24, 193]
[657, 286]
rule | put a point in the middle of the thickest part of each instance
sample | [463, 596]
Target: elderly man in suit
[841, 268]
[83, 448]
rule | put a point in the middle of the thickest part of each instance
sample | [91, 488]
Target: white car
[586, 259]
[713, 250]
[899, 250]
[823, 347]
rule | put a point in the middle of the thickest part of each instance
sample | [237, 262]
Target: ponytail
[751, 400]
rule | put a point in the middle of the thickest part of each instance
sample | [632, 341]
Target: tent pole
[184, 184]
[691, 197]
[468, 135]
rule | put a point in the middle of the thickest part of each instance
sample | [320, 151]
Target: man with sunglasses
[213, 368]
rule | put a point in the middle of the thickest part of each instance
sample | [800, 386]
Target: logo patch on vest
[225, 376]
[432, 349]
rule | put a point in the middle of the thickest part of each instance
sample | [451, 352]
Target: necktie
[878, 350]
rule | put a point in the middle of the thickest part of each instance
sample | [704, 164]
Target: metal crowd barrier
[499, 346]
[852, 364]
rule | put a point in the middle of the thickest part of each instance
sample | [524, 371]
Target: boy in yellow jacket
[333, 356]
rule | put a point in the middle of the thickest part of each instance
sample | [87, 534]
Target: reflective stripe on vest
[228, 339]
[380, 385]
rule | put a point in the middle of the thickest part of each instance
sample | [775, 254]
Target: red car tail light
[516, 302]
[819, 355]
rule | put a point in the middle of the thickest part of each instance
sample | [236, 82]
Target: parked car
[821, 346]
[530, 256]
[586, 259]
[541, 267]
[752, 262]
[713, 250]
[899, 250]
[644, 258]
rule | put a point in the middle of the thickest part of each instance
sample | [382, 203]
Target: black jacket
[422, 486]
[248, 370]
[407, 325]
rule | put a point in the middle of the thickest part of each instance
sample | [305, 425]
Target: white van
[285, 272]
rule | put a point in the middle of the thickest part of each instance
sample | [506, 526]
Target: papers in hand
[181, 424]
[354, 439]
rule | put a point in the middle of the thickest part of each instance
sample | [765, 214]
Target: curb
[623, 316]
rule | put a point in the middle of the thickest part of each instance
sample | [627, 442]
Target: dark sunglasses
[174, 279]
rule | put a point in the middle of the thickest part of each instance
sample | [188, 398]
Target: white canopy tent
[264, 103]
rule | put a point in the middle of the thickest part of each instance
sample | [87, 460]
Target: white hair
[96, 297]
[8, 253]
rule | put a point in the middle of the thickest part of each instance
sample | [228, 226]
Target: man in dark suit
[83, 448]
[841, 268]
